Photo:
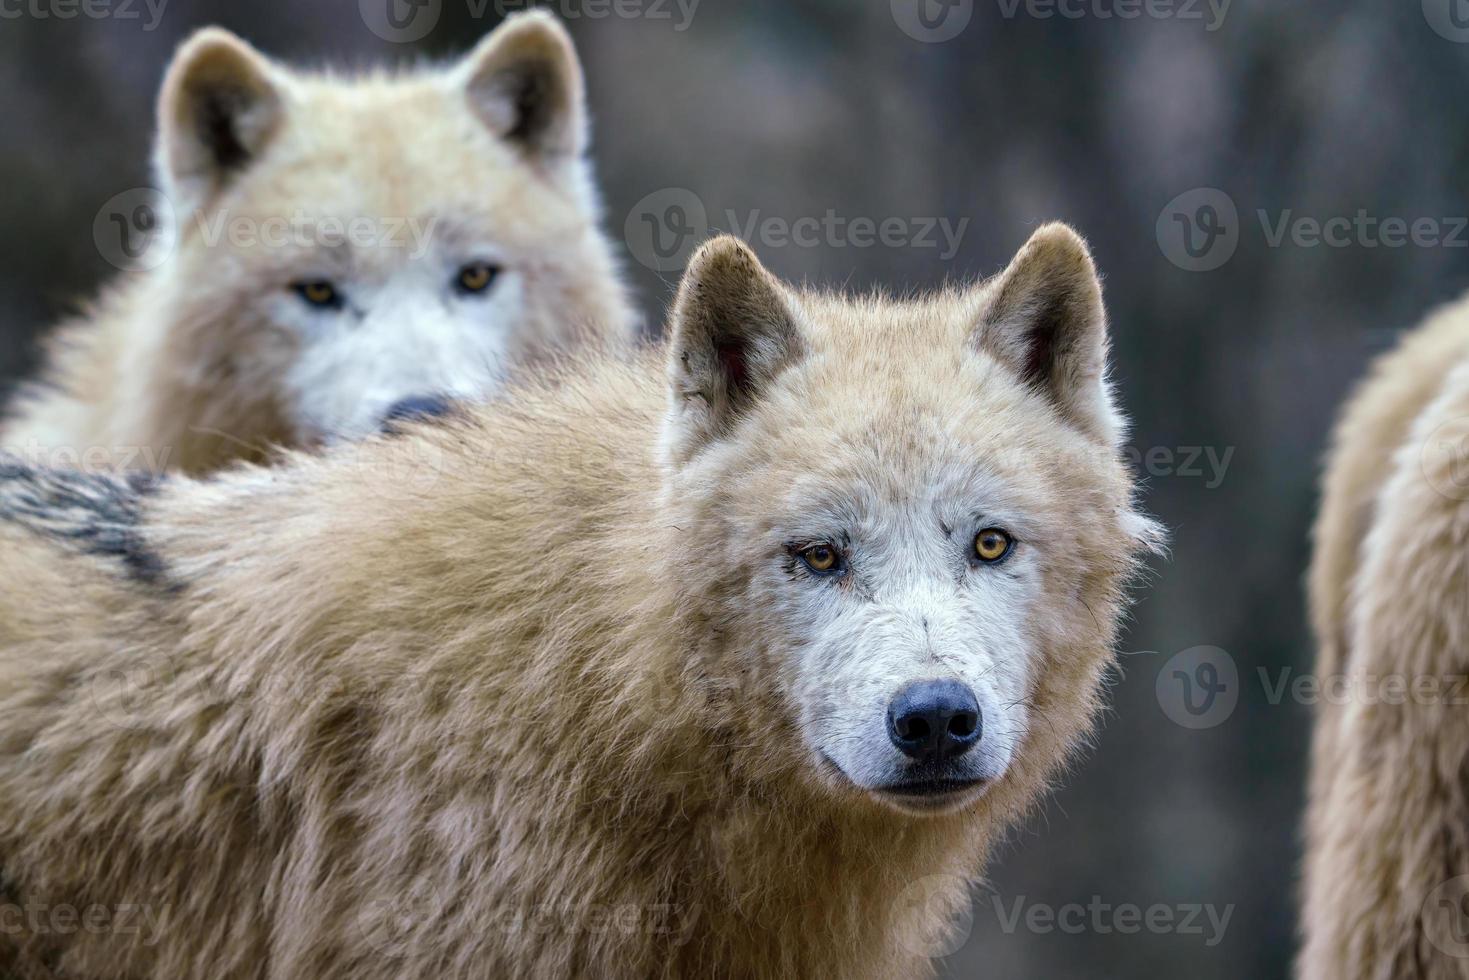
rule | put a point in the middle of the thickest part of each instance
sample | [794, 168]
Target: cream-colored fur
[212, 356]
[547, 709]
[1389, 588]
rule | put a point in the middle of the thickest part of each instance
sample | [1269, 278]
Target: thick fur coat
[1388, 825]
[326, 248]
[547, 690]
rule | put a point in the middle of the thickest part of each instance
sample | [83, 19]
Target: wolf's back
[1387, 856]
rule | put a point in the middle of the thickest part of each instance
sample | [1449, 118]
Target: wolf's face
[356, 250]
[915, 514]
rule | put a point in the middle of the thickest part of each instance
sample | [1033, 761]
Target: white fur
[918, 609]
[401, 334]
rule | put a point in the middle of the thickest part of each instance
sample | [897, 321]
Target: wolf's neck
[764, 850]
[880, 887]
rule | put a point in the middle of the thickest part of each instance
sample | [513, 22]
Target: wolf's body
[574, 701]
[1388, 827]
[312, 277]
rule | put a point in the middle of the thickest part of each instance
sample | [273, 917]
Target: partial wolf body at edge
[610, 711]
[344, 246]
[1387, 832]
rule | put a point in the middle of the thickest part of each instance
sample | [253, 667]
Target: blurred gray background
[1193, 144]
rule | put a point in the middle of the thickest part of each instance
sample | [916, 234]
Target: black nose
[417, 409]
[934, 720]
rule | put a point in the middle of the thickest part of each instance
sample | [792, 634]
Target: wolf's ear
[220, 104]
[1043, 318]
[733, 331]
[525, 83]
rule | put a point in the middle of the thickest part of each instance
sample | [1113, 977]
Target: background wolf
[331, 252]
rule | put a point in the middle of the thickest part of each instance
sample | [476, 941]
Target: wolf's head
[351, 249]
[910, 519]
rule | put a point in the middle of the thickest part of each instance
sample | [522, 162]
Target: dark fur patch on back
[96, 514]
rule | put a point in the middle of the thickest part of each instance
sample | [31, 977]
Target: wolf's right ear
[220, 104]
[1045, 320]
[733, 332]
[525, 82]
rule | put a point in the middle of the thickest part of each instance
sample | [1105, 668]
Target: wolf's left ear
[1043, 318]
[733, 333]
[525, 82]
[219, 106]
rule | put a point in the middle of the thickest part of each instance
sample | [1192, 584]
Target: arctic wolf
[736, 672]
[1387, 863]
[343, 251]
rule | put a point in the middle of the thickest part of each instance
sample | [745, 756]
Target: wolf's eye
[476, 278]
[319, 293]
[823, 559]
[992, 545]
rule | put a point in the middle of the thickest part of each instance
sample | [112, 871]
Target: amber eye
[992, 544]
[319, 293]
[821, 558]
[476, 278]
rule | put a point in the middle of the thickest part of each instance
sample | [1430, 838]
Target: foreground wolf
[1387, 864]
[345, 251]
[737, 670]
